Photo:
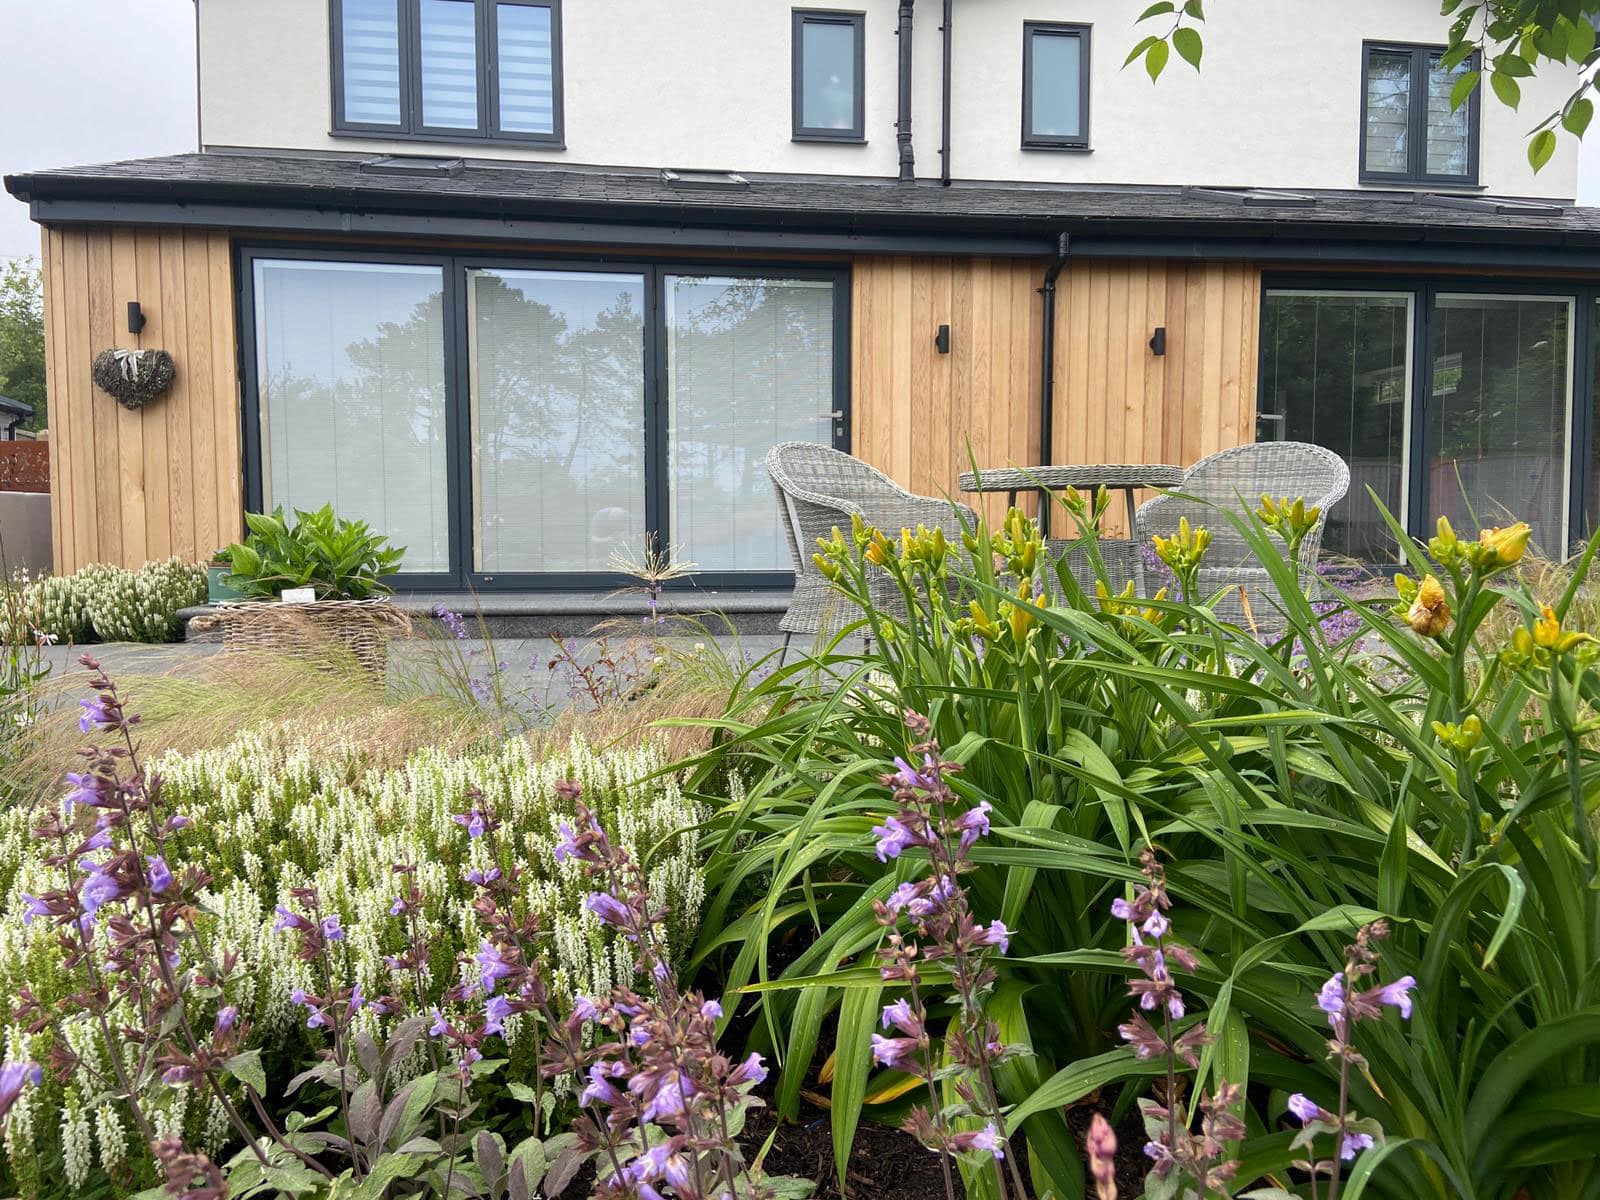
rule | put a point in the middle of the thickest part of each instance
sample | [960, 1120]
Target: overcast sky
[85, 81]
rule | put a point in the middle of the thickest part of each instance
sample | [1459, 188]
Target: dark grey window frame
[455, 263]
[411, 128]
[1425, 289]
[799, 18]
[1417, 132]
[1036, 141]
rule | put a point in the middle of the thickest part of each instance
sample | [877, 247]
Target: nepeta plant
[1346, 1006]
[1179, 1152]
[935, 908]
[662, 1106]
[122, 914]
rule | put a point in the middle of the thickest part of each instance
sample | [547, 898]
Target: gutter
[902, 125]
[944, 96]
[1047, 367]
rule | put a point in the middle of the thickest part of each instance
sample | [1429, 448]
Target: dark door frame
[1425, 290]
[454, 265]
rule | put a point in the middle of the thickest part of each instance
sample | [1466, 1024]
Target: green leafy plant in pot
[339, 559]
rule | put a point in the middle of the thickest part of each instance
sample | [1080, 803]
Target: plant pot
[359, 628]
[216, 589]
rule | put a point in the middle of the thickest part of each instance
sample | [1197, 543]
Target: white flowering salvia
[77, 1140]
[299, 810]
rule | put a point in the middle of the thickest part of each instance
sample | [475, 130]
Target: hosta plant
[339, 559]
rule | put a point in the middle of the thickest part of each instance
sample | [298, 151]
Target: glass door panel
[1336, 371]
[556, 370]
[750, 363]
[351, 380]
[1499, 412]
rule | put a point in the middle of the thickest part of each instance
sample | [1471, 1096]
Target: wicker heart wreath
[133, 378]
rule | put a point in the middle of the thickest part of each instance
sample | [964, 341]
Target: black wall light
[941, 340]
[1158, 341]
[136, 317]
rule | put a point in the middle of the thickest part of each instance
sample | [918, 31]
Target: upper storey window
[448, 70]
[1408, 132]
[1055, 86]
[830, 70]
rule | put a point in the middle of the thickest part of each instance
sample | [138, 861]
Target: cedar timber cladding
[166, 479]
[916, 410]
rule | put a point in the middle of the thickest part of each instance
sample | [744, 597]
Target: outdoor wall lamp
[136, 317]
[1158, 341]
[941, 340]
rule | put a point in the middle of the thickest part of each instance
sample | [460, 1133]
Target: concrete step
[588, 614]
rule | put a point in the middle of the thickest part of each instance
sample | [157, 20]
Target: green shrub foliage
[1411, 772]
[340, 559]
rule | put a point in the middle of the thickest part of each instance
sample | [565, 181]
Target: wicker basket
[362, 628]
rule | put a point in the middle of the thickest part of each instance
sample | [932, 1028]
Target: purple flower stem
[934, 1106]
[165, 967]
[339, 1026]
[86, 948]
[944, 860]
[1341, 1030]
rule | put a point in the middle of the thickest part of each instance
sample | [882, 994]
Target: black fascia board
[76, 199]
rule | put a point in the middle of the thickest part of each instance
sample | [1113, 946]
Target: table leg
[1132, 512]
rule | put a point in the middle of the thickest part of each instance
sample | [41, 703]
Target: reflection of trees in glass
[360, 423]
[1498, 422]
[558, 421]
[752, 363]
[1335, 367]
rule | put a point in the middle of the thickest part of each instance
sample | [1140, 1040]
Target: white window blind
[526, 63]
[557, 392]
[371, 34]
[750, 363]
[350, 363]
[449, 32]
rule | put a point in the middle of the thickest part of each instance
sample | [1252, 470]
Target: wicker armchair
[1236, 479]
[819, 489]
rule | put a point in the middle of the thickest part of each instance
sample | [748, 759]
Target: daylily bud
[1500, 548]
[1429, 614]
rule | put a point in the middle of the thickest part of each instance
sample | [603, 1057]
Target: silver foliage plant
[284, 812]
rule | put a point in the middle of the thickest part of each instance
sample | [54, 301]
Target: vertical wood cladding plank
[129, 431]
[159, 332]
[202, 355]
[177, 417]
[225, 398]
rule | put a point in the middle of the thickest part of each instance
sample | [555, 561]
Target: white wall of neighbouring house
[707, 85]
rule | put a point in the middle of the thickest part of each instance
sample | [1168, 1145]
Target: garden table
[1121, 555]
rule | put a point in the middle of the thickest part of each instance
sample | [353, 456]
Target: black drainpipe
[1047, 367]
[902, 123]
[944, 99]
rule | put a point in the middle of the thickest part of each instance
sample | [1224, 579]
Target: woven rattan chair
[1236, 479]
[820, 489]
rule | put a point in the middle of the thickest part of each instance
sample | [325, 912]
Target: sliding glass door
[1445, 401]
[1336, 371]
[534, 424]
[750, 363]
[350, 383]
[556, 389]
[1499, 413]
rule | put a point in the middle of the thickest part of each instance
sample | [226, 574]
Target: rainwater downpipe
[902, 125]
[944, 98]
[1047, 368]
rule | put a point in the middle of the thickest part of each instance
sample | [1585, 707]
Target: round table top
[1083, 476]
